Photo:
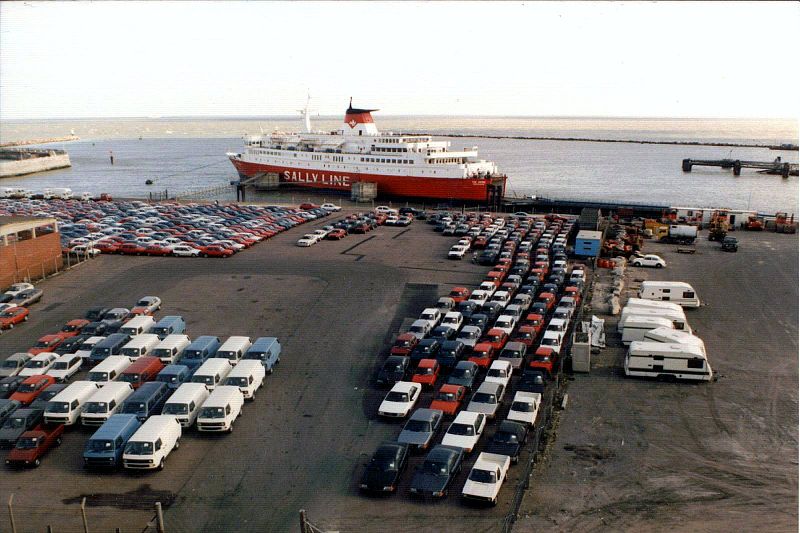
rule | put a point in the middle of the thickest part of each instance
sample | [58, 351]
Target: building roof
[588, 234]
[14, 224]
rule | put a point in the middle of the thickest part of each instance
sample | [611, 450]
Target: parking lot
[303, 442]
[640, 455]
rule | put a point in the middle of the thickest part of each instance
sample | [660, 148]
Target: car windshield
[102, 351]
[424, 371]
[61, 365]
[162, 352]
[395, 396]
[27, 387]
[208, 380]
[237, 382]
[400, 343]
[139, 448]
[482, 476]
[27, 443]
[96, 407]
[522, 407]
[482, 397]
[142, 303]
[212, 412]
[176, 409]
[15, 423]
[58, 407]
[132, 408]
[100, 445]
[461, 429]
[417, 426]
[69, 328]
[434, 467]
[446, 396]
[496, 373]
[35, 364]
[43, 344]
[468, 335]
[98, 376]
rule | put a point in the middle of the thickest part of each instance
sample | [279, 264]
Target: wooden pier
[777, 166]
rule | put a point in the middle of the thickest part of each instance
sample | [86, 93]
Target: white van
[220, 410]
[678, 318]
[140, 345]
[138, 325]
[673, 336]
[677, 292]
[105, 402]
[248, 375]
[109, 368]
[635, 326]
[660, 360]
[185, 402]
[149, 447]
[66, 406]
[62, 193]
[212, 372]
[234, 349]
[170, 349]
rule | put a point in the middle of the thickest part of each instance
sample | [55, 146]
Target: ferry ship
[400, 165]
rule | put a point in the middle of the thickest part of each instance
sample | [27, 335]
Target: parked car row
[15, 303]
[164, 229]
[467, 348]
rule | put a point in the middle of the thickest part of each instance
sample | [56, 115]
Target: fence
[51, 267]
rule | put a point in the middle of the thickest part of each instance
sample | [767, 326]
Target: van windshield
[132, 408]
[100, 445]
[167, 378]
[96, 407]
[227, 355]
[237, 382]
[130, 378]
[176, 409]
[101, 351]
[139, 448]
[208, 380]
[212, 412]
[58, 407]
[162, 352]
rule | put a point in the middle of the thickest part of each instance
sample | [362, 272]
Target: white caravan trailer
[677, 292]
[673, 336]
[635, 326]
[661, 360]
[678, 318]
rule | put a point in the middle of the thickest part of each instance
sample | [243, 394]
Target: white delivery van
[678, 318]
[248, 375]
[149, 447]
[635, 326]
[105, 402]
[663, 360]
[138, 325]
[66, 406]
[673, 336]
[212, 372]
[677, 292]
[109, 368]
[170, 349]
[140, 345]
[185, 403]
[220, 410]
[234, 349]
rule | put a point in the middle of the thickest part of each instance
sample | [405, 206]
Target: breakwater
[40, 141]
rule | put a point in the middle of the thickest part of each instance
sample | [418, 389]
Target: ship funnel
[358, 121]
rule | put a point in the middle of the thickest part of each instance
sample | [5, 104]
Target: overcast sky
[260, 58]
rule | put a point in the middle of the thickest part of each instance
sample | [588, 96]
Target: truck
[32, 445]
[486, 477]
[678, 234]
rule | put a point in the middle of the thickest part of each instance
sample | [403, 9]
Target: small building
[30, 248]
[589, 219]
[587, 243]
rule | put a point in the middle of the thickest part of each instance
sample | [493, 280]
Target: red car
[575, 293]
[48, 343]
[547, 298]
[156, 249]
[13, 316]
[544, 359]
[403, 344]
[131, 248]
[480, 242]
[482, 354]
[32, 445]
[215, 250]
[110, 247]
[426, 373]
[29, 389]
[449, 398]
[459, 294]
[496, 337]
[526, 335]
[496, 277]
[308, 206]
[72, 328]
[336, 235]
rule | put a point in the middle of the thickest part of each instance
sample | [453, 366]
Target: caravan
[672, 336]
[635, 326]
[661, 360]
[677, 292]
[678, 318]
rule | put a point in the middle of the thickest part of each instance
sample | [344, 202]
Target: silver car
[487, 399]
[421, 428]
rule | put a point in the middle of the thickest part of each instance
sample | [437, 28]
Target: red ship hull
[477, 189]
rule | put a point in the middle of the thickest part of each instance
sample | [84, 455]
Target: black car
[465, 373]
[394, 369]
[492, 310]
[97, 329]
[550, 287]
[5, 298]
[480, 320]
[528, 289]
[46, 395]
[9, 385]
[450, 353]
[509, 439]
[488, 257]
[730, 244]
[540, 308]
[96, 313]
[384, 469]
[532, 381]
[71, 344]
[411, 211]
[17, 423]
[467, 308]
[441, 466]
[443, 333]
[425, 349]
[112, 326]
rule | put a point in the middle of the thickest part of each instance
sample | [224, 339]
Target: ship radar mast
[306, 114]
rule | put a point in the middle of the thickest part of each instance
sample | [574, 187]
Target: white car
[184, 250]
[488, 286]
[525, 407]
[321, 233]
[391, 220]
[465, 431]
[38, 364]
[478, 296]
[85, 349]
[457, 252]
[230, 244]
[309, 239]
[649, 260]
[501, 297]
[331, 207]
[506, 322]
[499, 372]
[453, 319]
[3, 307]
[469, 336]
[486, 477]
[385, 209]
[17, 288]
[13, 364]
[400, 400]
[84, 249]
[65, 367]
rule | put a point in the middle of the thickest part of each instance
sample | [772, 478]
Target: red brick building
[30, 248]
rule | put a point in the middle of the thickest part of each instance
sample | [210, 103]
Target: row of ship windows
[394, 150]
[380, 160]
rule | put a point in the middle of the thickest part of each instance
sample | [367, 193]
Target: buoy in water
[148, 182]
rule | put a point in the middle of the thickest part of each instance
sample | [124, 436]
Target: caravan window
[665, 290]
[688, 294]
[695, 362]
[658, 358]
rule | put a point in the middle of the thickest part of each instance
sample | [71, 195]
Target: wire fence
[45, 269]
